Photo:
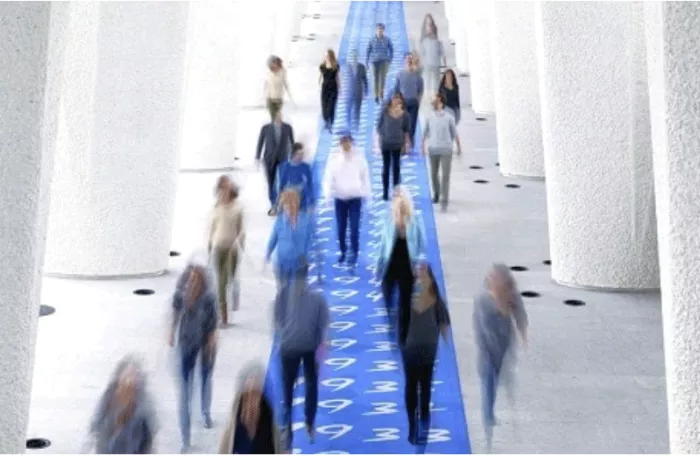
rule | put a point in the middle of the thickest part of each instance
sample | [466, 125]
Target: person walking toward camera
[409, 83]
[380, 51]
[358, 89]
[330, 88]
[393, 135]
[274, 147]
[297, 174]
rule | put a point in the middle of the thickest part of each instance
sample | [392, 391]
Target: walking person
[124, 422]
[358, 89]
[301, 322]
[226, 241]
[194, 325]
[274, 147]
[393, 135]
[380, 51]
[402, 248]
[409, 83]
[275, 86]
[429, 319]
[251, 427]
[296, 174]
[429, 27]
[330, 87]
[439, 137]
[496, 309]
[347, 182]
[432, 56]
[449, 89]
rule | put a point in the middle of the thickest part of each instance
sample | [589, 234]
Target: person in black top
[449, 88]
[330, 87]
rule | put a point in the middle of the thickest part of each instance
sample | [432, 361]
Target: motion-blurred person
[495, 311]
[429, 319]
[301, 321]
[226, 240]
[277, 139]
[439, 137]
[251, 427]
[296, 174]
[194, 323]
[291, 238]
[409, 83]
[402, 248]
[124, 422]
[393, 134]
[358, 89]
[428, 27]
[432, 56]
[330, 87]
[347, 183]
[380, 51]
[275, 86]
[449, 88]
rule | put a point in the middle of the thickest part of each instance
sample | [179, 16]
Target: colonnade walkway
[590, 381]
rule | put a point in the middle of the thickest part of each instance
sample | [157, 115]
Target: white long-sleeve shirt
[347, 176]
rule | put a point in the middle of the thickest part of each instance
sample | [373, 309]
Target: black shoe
[436, 199]
[423, 432]
[352, 259]
[272, 212]
[341, 258]
[412, 433]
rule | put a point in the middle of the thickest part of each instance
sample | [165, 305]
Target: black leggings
[404, 279]
[329, 98]
[390, 157]
[419, 378]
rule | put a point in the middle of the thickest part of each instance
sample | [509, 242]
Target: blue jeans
[188, 361]
[489, 372]
[354, 110]
[348, 210]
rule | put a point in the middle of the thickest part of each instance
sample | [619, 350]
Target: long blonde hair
[402, 206]
[290, 202]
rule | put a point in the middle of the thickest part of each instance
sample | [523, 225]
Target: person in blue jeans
[498, 313]
[194, 324]
[296, 174]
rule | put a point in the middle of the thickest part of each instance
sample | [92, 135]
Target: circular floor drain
[144, 292]
[498, 164]
[174, 253]
[38, 444]
[46, 310]
[518, 268]
[547, 262]
[481, 119]
[475, 167]
[512, 186]
[480, 181]
[574, 303]
[530, 294]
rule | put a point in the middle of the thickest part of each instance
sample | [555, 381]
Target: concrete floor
[591, 381]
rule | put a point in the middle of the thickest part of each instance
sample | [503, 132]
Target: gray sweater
[410, 85]
[424, 330]
[495, 332]
[432, 52]
[301, 318]
[440, 133]
[392, 132]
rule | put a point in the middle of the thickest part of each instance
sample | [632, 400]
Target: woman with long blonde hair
[330, 87]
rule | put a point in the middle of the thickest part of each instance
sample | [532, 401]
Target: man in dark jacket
[274, 148]
[359, 88]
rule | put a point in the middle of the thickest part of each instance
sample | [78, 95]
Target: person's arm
[240, 228]
[520, 316]
[455, 135]
[443, 317]
[390, 47]
[210, 324]
[426, 135]
[456, 89]
[261, 142]
[286, 85]
[420, 237]
[178, 305]
[441, 50]
[321, 69]
[309, 189]
[272, 243]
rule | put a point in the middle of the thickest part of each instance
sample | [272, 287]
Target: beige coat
[230, 432]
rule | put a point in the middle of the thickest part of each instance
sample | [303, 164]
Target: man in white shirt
[347, 183]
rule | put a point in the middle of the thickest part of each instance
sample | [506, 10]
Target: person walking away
[429, 319]
[274, 147]
[275, 86]
[380, 51]
[439, 136]
[291, 238]
[393, 135]
[251, 427]
[297, 174]
[358, 89]
[347, 182]
[495, 310]
[402, 247]
[432, 54]
[226, 240]
[124, 422]
[409, 84]
[449, 89]
[194, 323]
[301, 321]
[330, 87]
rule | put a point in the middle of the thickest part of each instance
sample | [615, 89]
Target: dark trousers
[348, 210]
[271, 168]
[329, 98]
[354, 111]
[390, 158]
[188, 362]
[403, 279]
[419, 380]
[412, 107]
[380, 71]
[290, 371]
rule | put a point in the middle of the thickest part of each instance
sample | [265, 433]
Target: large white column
[516, 89]
[673, 33]
[112, 197]
[287, 15]
[458, 33]
[256, 45]
[31, 51]
[211, 94]
[478, 23]
[596, 135]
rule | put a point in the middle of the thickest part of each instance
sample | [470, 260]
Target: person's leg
[434, 174]
[355, 209]
[412, 108]
[488, 395]
[311, 386]
[187, 364]
[357, 110]
[396, 166]
[425, 380]
[290, 371]
[384, 68]
[208, 358]
[270, 108]
[386, 162]
[332, 103]
[341, 221]
[411, 396]
[221, 260]
[235, 283]
[446, 171]
[406, 282]
[270, 175]
[377, 78]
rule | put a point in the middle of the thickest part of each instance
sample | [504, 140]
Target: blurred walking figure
[296, 174]
[380, 51]
[226, 242]
[330, 87]
[301, 322]
[401, 249]
[251, 427]
[291, 238]
[275, 143]
[347, 183]
[429, 319]
[439, 137]
[124, 422]
[428, 28]
[393, 134]
[495, 311]
[449, 89]
[194, 324]
[409, 83]
[358, 89]
[432, 56]
[275, 86]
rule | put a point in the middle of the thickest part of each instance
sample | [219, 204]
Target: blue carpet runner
[361, 407]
